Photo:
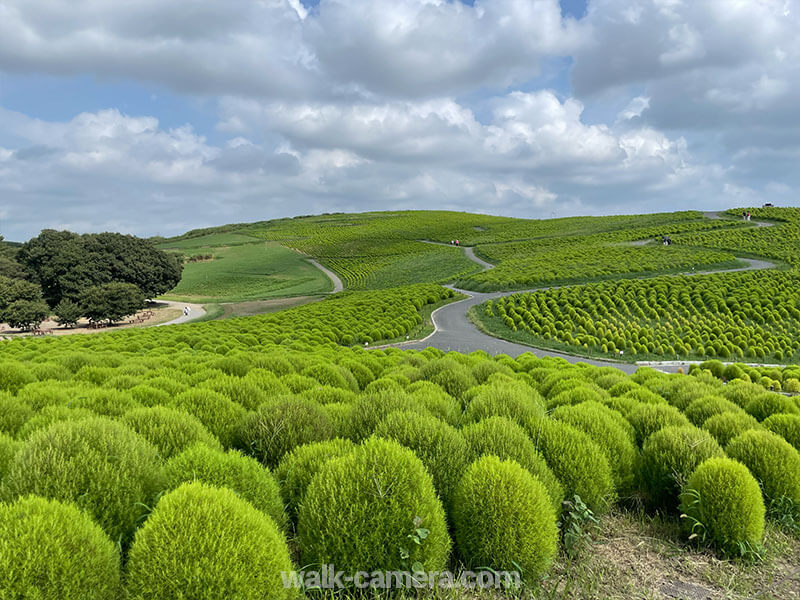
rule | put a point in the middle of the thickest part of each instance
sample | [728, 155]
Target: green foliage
[700, 410]
[8, 448]
[298, 468]
[14, 413]
[722, 507]
[100, 465]
[221, 416]
[768, 404]
[363, 510]
[111, 301]
[498, 436]
[25, 314]
[503, 519]
[669, 457]
[772, 461]
[170, 431]
[14, 376]
[53, 551]
[206, 543]
[578, 462]
[242, 474]
[517, 402]
[786, 426]
[370, 409]
[280, 426]
[67, 312]
[616, 441]
[52, 414]
[453, 377]
[649, 418]
[440, 447]
[726, 426]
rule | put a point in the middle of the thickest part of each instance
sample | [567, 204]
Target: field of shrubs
[734, 316]
[206, 460]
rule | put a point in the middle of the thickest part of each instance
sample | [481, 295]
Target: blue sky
[160, 117]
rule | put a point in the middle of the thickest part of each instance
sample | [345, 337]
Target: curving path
[197, 312]
[338, 286]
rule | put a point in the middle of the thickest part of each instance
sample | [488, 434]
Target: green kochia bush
[703, 408]
[219, 414]
[170, 431]
[649, 418]
[503, 519]
[786, 426]
[767, 404]
[505, 439]
[723, 506]
[53, 551]
[242, 474]
[206, 543]
[772, 461]
[102, 466]
[440, 447]
[578, 463]
[14, 413]
[518, 403]
[603, 425]
[280, 426]
[361, 509]
[8, 448]
[371, 409]
[669, 456]
[53, 414]
[298, 467]
[726, 426]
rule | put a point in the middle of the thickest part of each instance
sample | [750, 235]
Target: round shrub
[233, 470]
[241, 391]
[280, 426]
[361, 508]
[220, 415]
[52, 414]
[576, 395]
[371, 409]
[503, 519]
[297, 469]
[453, 377]
[578, 463]
[341, 418]
[496, 401]
[105, 402]
[149, 396]
[669, 456]
[14, 376]
[100, 465]
[53, 551]
[333, 375]
[47, 393]
[649, 418]
[326, 394]
[8, 448]
[206, 543]
[786, 426]
[723, 504]
[617, 441]
[726, 426]
[766, 404]
[644, 395]
[498, 436]
[14, 413]
[436, 401]
[440, 447]
[772, 461]
[703, 408]
[741, 392]
[170, 431]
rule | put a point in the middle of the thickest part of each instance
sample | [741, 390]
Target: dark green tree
[111, 301]
[25, 314]
[68, 312]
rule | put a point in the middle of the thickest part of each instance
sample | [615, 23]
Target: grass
[249, 271]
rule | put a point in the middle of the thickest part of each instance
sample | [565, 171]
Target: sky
[153, 118]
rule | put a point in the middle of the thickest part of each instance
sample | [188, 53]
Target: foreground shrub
[726, 426]
[361, 509]
[202, 542]
[371, 409]
[233, 470]
[297, 469]
[436, 401]
[170, 431]
[53, 551]
[280, 426]
[440, 447]
[453, 377]
[603, 425]
[219, 414]
[8, 448]
[578, 463]
[649, 418]
[105, 402]
[14, 413]
[53, 414]
[498, 436]
[786, 426]
[518, 403]
[767, 404]
[669, 456]
[773, 462]
[14, 376]
[700, 410]
[100, 465]
[723, 506]
[503, 519]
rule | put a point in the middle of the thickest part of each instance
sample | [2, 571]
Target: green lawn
[248, 271]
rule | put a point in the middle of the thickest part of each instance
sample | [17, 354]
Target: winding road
[338, 286]
[197, 311]
[454, 331]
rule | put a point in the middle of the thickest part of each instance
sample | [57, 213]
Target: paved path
[196, 312]
[338, 286]
[722, 216]
[468, 250]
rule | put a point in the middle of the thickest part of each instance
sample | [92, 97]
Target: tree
[68, 312]
[12, 290]
[111, 301]
[26, 314]
[67, 264]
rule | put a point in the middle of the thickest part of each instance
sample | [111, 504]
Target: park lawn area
[213, 240]
[240, 273]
